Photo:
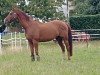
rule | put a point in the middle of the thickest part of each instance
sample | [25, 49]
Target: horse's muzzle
[6, 22]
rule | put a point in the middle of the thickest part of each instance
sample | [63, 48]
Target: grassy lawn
[85, 61]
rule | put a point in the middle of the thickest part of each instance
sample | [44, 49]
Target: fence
[14, 39]
[0, 44]
[86, 34]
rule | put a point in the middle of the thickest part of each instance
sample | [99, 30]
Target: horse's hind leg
[32, 50]
[59, 39]
[67, 47]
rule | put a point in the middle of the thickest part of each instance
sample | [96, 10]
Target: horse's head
[16, 13]
[10, 17]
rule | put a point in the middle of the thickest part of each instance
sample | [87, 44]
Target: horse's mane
[23, 14]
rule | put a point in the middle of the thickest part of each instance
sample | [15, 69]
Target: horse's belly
[45, 40]
[47, 37]
[48, 33]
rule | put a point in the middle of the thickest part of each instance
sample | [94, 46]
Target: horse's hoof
[69, 59]
[32, 59]
[38, 58]
[64, 58]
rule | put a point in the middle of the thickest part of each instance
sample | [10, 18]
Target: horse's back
[54, 25]
[52, 29]
[59, 22]
[48, 31]
[62, 27]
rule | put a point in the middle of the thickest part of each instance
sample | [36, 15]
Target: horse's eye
[10, 13]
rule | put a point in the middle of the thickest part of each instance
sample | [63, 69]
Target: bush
[85, 22]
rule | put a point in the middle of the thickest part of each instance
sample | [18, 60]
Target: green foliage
[92, 10]
[81, 8]
[94, 2]
[87, 15]
[87, 7]
[85, 22]
[98, 7]
[44, 9]
[78, 1]
[5, 6]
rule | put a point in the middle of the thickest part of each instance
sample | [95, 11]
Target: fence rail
[16, 38]
[12, 39]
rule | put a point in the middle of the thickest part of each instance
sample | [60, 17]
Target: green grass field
[85, 61]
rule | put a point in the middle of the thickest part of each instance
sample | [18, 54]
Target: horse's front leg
[32, 50]
[36, 49]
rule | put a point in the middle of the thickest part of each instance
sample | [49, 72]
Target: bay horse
[36, 32]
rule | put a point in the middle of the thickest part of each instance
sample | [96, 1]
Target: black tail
[70, 40]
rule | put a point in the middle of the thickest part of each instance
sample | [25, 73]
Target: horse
[36, 32]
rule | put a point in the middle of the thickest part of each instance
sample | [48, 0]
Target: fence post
[15, 40]
[27, 43]
[87, 41]
[0, 44]
[20, 41]
[12, 41]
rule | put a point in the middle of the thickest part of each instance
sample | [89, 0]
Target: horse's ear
[14, 7]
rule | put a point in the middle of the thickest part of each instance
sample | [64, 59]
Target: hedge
[85, 22]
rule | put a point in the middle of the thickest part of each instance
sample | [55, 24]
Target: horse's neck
[27, 24]
[24, 23]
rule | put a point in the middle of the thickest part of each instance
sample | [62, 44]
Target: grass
[85, 61]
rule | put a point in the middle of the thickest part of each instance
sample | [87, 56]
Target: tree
[98, 7]
[45, 9]
[94, 2]
[94, 8]
[42, 9]
[5, 6]
[87, 7]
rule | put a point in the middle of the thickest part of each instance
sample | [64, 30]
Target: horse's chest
[32, 36]
[28, 36]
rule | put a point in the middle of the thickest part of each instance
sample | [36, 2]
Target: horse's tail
[70, 40]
